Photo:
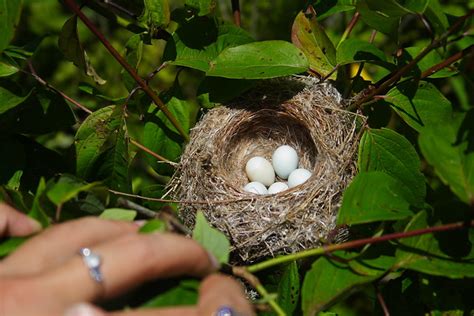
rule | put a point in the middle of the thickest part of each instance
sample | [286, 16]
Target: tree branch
[354, 244]
[236, 12]
[447, 62]
[382, 87]
[349, 28]
[149, 91]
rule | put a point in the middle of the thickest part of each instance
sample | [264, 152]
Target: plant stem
[144, 86]
[236, 12]
[382, 303]
[349, 28]
[447, 62]
[152, 153]
[381, 87]
[243, 273]
[354, 244]
[47, 85]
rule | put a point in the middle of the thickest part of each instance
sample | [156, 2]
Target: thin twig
[349, 28]
[207, 202]
[355, 244]
[447, 62]
[382, 303]
[383, 85]
[163, 214]
[49, 86]
[152, 153]
[236, 12]
[145, 87]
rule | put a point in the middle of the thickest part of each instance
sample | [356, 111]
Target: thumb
[83, 309]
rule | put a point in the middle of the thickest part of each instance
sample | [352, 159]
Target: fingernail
[35, 225]
[214, 262]
[140, 223]
[81, 309]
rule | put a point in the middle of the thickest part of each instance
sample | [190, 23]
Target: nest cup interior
[260, 134]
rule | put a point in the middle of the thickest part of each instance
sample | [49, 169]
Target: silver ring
[92, 262]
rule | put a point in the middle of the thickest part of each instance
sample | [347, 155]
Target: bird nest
[298, 112]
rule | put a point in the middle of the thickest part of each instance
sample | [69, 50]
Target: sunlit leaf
[375, 196]
[386, 150]
[259, 60]
[211, 239]
[309, 36]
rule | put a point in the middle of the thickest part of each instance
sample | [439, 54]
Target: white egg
[259, 169]
[277, 187]
[256, 187]
[284, 161]
[298, 177]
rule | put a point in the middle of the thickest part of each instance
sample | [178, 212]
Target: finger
[84, 309]
[127, 262]
[14, 223]
[59, 243]
[219, 291]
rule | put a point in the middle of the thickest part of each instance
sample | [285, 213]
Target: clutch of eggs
[284, 164]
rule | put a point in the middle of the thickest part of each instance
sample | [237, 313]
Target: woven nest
[211, 175]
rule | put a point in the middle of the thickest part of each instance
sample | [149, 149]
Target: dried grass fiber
[296, 111]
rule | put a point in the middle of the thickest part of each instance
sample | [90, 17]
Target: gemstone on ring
[225, 311]
[93, 262]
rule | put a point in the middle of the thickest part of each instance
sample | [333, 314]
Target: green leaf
[354, 50]
[152, 226]
[118, 214]
[386, 150]
[419, 105]
[71, 47]
[9, 18]
[326, 8]
[10, 245]
[204, 7]
[8, 66]
[12, 163]
[289, 288]
[259, 60]
[161, 136]
[37, 212]
[66, 188]
[211, 239]
[93, 139]
[437, 17]
[43, 112]
[375, 196]
[186, 293]
[423, 253]
[200, 40]
[450, 151]
[309, 36]
[156, 14]
[10, 99]
[133, 55]
[325, 282]
[377, 19]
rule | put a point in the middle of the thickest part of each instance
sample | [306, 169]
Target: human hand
[46, 276]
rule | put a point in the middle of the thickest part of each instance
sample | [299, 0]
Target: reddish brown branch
[236, 12]
[152, 153]
[447, 62]
[149, 91]
[382, 86]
